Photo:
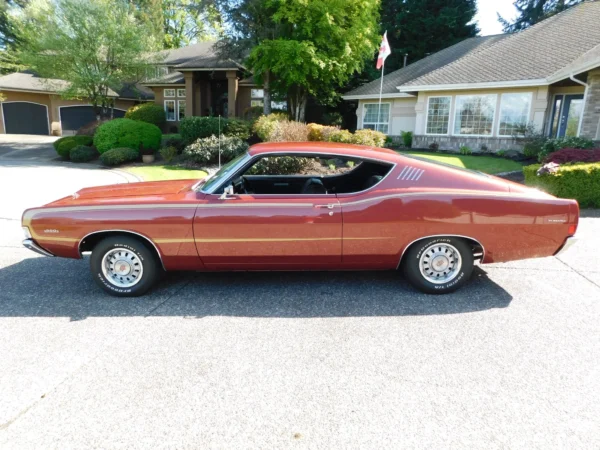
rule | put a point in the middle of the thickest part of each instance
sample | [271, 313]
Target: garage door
[25, 118]
[72, 118]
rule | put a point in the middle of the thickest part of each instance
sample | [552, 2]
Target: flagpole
[380, 91]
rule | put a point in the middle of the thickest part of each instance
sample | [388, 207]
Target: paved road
[307, 360]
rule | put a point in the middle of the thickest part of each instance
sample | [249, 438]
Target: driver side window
[301, 166]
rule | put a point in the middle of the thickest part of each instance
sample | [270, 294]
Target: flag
[384, 51]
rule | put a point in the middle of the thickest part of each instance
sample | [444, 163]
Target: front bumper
[31, 245]
[568, 243]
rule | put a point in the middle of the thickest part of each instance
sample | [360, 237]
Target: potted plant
[147, 154]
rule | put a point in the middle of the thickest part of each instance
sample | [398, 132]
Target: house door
[566, 114]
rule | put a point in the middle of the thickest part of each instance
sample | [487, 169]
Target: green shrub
[553, 145]
[501, 153]
[168, 153]
[147, 112]
[193, 128]
[579, 181]
[279, 165]
[207, 149]
[343, 136]
[317, 132]
[265, 125]
[465, 150]
[333, 118]
[368, 137]
[119, 133]
[289, 131]
[407, 138]
[238, 128]
[117, 156]
[434, 146]
[64, 145]
[252, 113]
[83, 153]
[176, 142]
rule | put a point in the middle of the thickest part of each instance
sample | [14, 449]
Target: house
[484, 90]
[194, 81]
[33, 105]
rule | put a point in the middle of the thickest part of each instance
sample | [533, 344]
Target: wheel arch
[89, 241]
[476, 246]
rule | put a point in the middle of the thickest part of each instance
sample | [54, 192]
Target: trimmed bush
[176, 142]
[570, 155]
[265, 125]
[147, 112]
[343, 136]
[83, 153]
[193, 128]
[64, 145]
[289, 131]
[207, 149]
[579, 181]
[553, 145]
[119, 133]
[168, 153]
[317, 132]
[368, 137]
[117, 156]
[279, 165]
[407, 138]
[238, 128]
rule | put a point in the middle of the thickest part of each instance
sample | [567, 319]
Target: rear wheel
[438, 265]
[124, 266]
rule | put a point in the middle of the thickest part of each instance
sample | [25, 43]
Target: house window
[257, 93]
[169, 92]
[181, 109]
[181, 93]
[474, 114]
[376, 118]
[438, 115]
[257, 103]
[514, 113]
[170, 110]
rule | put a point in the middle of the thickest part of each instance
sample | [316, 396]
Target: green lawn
[487, 164]
[164, 172]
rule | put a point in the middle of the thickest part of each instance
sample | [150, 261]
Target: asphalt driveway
[319, 360]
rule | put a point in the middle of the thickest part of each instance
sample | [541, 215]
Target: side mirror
[227, 193]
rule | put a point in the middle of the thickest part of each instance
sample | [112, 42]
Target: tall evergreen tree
[531, 12]
[421, 27]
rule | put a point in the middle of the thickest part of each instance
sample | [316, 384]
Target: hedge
[571, 155]
[579, 181]
[64, 145]
[147, 112]
[207, 149]
[117, 156]
[83, 153]
[194, 128]
[120, 133]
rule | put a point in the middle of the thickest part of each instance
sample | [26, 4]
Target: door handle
[329, 206]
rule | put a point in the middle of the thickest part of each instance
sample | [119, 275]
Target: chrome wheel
[440, 263]
[122, 268]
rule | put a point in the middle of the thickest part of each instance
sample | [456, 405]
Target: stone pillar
[232, 91]
[590, 122]
[189, 93]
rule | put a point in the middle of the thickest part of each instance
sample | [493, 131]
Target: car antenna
[219, 141]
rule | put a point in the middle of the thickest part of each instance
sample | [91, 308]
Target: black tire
[412, 260]
[136, 251]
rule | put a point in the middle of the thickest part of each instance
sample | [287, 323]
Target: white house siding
[402, 114]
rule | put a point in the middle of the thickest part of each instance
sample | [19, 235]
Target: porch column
[590, 122]
[232, 91]
[54, 116]
[189, 93]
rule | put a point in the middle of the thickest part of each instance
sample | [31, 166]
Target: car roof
[334, 148]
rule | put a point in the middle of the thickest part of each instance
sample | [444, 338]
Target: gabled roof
[423, 67]
[30, 82]
[202, 55]
[169, 78]
[135, 91]
[536, 53]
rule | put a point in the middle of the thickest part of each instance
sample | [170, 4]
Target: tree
[531, 12]
[421, 27]
[93, 46]
[8, 40]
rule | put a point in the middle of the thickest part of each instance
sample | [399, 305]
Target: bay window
[375, 118]
[474, 114]
[514, 113]
[438, 115]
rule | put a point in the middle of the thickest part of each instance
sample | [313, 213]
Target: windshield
[223, 172]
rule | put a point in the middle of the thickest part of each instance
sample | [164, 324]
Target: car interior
[330, 177]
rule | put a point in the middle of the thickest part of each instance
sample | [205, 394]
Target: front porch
[213, 93]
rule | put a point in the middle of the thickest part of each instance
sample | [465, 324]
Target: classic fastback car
[355, 207]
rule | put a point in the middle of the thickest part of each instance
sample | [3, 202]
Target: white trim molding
[376, 96]
[473, 86]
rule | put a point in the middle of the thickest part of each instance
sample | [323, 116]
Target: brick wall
[590, 125]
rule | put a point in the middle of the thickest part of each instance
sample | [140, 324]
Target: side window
[301, 166]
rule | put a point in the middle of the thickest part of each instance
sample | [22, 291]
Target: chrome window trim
[440, 235]
[362, 158]
[122, 231]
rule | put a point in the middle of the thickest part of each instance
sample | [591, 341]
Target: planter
[148, 159]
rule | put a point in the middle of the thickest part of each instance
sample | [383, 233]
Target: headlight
[26, 232]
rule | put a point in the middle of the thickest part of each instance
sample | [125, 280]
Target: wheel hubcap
[122, 268]
[440, 263]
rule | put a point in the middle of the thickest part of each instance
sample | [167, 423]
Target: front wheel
[124, 266]
[438, 265]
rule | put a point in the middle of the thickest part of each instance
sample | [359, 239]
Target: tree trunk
[297, 97]
[267, 91]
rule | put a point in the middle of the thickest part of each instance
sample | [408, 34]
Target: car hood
[142, 189]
